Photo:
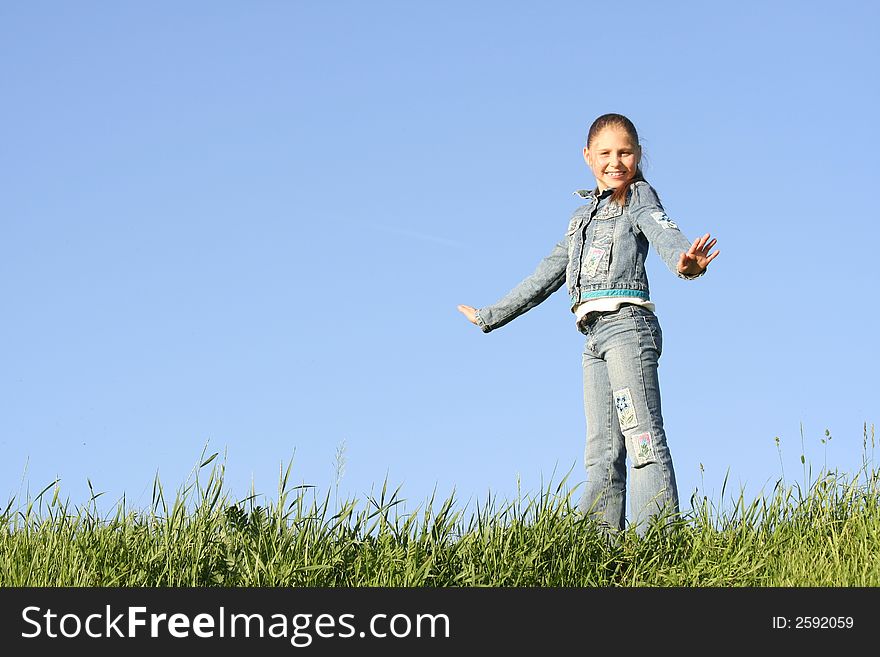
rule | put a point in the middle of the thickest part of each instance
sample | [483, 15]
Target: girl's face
[612, 157]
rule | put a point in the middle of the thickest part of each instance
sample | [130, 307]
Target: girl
[601, 259]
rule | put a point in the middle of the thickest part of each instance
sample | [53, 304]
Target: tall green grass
[824, 531]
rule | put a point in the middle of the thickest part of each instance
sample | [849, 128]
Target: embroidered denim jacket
[601, 255]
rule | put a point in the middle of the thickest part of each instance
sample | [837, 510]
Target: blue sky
[245, 227]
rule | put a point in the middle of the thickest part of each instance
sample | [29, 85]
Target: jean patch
[594, 259]
[642, 449]
[663, 220]
[626, 410]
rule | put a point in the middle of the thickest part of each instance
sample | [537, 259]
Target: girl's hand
[697, 258]
[469, 312]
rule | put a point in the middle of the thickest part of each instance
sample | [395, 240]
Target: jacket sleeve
[532, 290]
[651, 220]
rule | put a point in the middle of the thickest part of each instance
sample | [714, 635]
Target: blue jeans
[622, 405]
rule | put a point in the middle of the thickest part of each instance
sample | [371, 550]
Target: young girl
[601, 259]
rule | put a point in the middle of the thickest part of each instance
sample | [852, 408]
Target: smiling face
[613, 157]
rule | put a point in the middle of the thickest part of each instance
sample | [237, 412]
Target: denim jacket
[601, 255]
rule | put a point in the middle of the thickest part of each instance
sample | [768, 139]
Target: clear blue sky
[248, 225]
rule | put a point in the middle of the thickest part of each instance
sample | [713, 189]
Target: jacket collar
[593, 194]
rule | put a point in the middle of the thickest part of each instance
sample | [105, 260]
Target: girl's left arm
[685, 259]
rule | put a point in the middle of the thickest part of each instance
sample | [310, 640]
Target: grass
[823, 532]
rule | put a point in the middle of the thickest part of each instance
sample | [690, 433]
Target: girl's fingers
[703, 247]
[469, 312]
[699, 252]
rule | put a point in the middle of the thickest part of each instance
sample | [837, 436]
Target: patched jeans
[622, 405]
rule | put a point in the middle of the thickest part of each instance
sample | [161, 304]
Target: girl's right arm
[532, 290]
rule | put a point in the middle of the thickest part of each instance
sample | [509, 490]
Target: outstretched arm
[685, 259]
[548, 277]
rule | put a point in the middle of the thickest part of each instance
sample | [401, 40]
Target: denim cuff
[690, 278]
[483, 326]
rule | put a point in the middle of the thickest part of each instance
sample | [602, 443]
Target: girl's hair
[617, 121]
